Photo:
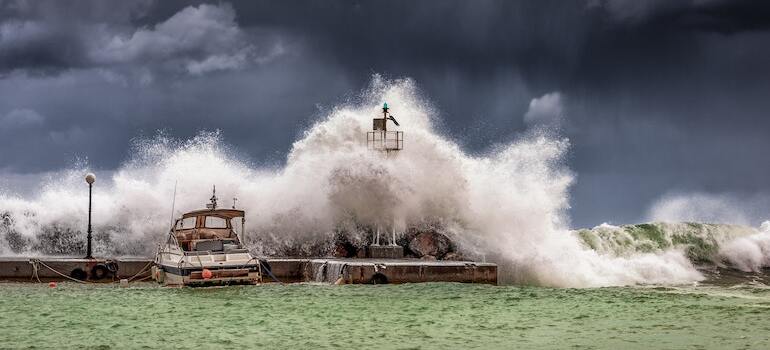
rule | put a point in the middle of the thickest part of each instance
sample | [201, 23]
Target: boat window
[237, 225]
[186, 223]
[215, 222]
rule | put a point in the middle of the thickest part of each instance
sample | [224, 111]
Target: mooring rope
[269, 272]
[37, 261]
[35, 267]
[143, 278]
[141, 271]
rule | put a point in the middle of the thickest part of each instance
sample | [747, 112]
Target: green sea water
[412, 316]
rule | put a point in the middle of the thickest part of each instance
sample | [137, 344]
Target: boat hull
[174, 276]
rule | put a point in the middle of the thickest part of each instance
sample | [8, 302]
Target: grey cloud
[33, 45]
[724, 16]
[634, 11]
[20, 118]
[546, 109]
[48, 36]
[195, 40]
[191, 31]
[199, 39]
[18, 33]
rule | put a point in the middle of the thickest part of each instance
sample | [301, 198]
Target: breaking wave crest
[735, 246]
[507, 206]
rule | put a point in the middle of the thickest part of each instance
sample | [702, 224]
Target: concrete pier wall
[16, 268]
[286, 270]
[416, 271]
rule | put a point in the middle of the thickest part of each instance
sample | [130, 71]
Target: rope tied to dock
[269, 270]
[35, 262]
[35, 267]
[142, 271]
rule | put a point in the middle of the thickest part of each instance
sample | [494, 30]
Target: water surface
[414, 316]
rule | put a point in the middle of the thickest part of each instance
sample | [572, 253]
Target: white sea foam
[508, 206]
[749, 253]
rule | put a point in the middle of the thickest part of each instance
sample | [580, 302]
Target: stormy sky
[665, 102]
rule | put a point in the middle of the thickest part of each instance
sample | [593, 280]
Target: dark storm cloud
[45, 37]
[194, 40]
[706, 15]
[656, 96]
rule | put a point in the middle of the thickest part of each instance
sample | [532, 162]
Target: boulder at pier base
[430, 243]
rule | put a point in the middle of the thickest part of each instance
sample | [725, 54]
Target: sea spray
[749, 252]
[508, 206]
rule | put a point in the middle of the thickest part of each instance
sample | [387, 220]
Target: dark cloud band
[654, 95]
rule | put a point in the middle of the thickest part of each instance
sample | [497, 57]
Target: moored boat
[203, 248]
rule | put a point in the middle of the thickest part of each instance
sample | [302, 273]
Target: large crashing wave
[508, 206]
[735, 246]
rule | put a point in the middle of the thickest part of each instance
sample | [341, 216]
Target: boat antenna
[235, 199]
[173, 204]
[213, 204]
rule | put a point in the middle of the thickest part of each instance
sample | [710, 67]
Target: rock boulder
[430, 243]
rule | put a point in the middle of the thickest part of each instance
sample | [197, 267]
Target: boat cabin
[208, 230]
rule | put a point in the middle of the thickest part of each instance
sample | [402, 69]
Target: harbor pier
[283, 270]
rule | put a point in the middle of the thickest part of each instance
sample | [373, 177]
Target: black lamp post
[90, 178]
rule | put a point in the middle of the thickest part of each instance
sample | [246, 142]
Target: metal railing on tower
[380, 138]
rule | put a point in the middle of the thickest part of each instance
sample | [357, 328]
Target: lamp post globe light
[90, 179]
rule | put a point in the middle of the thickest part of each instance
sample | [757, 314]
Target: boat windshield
[186, 223]
[215, 222]
[204, 232]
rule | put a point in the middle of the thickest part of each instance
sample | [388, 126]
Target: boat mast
[173, 204]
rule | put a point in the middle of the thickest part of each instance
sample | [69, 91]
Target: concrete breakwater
[286, 270]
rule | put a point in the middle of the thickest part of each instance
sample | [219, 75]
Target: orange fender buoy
[206, 274]
[52, 284]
